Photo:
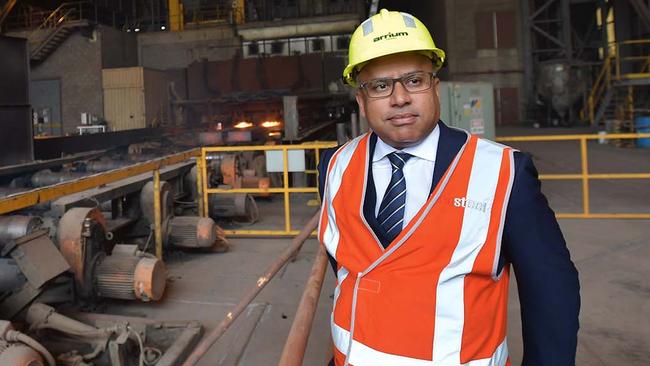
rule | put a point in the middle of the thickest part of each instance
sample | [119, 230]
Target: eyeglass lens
[413, 82]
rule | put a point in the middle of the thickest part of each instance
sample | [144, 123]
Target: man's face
[402, 119]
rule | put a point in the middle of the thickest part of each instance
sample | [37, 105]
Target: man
[422, 222]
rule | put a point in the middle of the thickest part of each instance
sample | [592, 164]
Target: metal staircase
[54, 30]
[614, 91]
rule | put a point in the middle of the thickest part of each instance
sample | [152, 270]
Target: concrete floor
[612, 257]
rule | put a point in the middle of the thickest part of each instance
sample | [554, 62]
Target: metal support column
[199, 186]
[157, 213]
[565, 12]
[290, 104]
[527, 51]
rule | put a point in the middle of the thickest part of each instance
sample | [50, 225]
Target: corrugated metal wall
[124, 101]
[135, 97]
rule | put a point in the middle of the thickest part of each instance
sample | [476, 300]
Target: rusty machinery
[242, 170]
[50, 338]
[19, 349]
[30, 267]
[38, 253]
[189, 232]
[100, 270]
[89, 343]
[85, 263]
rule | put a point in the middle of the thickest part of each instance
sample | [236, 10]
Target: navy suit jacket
[532, 242]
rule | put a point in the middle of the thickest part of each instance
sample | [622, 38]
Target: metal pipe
[217, 332]
[46, 177]
[294, 350]
[104, 165]
[42, 316]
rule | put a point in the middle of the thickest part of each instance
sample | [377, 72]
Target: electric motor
[191, 232]
[129, 277]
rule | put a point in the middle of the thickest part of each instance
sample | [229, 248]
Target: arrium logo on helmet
[390, 36]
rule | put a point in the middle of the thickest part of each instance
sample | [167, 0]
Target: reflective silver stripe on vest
[450, 309]
[362, 355]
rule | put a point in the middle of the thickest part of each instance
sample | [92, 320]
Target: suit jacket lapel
[449, 144]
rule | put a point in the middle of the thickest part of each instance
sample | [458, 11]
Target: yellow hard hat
[386, 33]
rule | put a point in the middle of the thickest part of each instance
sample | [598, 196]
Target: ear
[361, 102]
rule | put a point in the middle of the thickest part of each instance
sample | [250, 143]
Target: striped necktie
[391, 210]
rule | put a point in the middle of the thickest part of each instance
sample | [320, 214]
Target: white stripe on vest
[362, 355]
[450, 309]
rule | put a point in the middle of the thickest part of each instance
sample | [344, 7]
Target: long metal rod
[207, 342]
[294, 350]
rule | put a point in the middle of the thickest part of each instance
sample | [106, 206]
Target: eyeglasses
[414, 82]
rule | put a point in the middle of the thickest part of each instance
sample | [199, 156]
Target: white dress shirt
[418, 172]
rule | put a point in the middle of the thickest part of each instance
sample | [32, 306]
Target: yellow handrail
[285, 189]
[584, 176]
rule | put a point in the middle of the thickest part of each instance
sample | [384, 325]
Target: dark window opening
[317, 44]
[342, 43]
[253, 49]
[277, 47]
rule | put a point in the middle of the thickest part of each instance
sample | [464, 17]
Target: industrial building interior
[158, 167]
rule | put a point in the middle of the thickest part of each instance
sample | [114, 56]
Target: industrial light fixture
[270, 124]
[243, 124]
[137, 29]
[162, 27]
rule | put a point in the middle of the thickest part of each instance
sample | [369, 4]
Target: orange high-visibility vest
[433, 296]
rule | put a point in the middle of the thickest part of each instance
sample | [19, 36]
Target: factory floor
[612, 257]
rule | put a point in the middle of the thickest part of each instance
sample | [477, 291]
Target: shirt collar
[426, 149]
